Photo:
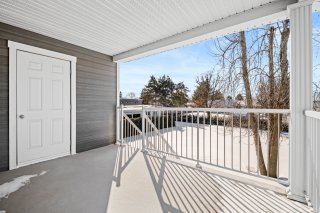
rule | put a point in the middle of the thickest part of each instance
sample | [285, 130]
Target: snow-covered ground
[7, 188]
[219, 146]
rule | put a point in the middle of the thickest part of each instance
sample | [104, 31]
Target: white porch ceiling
[127, 29]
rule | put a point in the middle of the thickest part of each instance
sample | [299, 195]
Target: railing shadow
[155, 132]
[125, 154]
[182, 188]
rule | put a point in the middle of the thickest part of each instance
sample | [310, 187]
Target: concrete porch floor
[123, 179]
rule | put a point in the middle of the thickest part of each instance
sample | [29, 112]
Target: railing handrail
[231, 110]
[234, 110]
[312, 114]
[128, 107]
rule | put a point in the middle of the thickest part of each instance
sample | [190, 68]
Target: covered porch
[179, 159]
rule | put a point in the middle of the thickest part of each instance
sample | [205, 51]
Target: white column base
[296, 197]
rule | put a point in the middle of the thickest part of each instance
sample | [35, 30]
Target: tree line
[162, 91]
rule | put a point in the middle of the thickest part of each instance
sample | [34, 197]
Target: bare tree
[316, 96]
[131, 95]
[253, 120]
[260, 63]
[273, 138]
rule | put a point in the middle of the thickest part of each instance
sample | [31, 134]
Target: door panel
[57, 130]
[43, 107]
[35, 133]
[35, 94]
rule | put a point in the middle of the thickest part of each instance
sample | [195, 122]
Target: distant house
[130, 101]
[133, 106]
[225, 103]
[217, 103]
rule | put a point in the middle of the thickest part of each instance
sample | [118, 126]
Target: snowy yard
[218, 145]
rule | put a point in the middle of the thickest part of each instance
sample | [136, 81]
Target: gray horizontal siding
[96, 90]
[4, 105]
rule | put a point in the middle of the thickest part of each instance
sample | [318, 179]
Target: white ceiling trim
[264, 14]
[316, 6]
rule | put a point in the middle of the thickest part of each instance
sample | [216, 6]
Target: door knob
[21, 116]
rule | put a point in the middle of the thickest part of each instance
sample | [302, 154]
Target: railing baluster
[147, 132]
[167, 129]
[232, 142]
[154, 136]
[187, 122]
[192, 135]
[162, 128]
[159, 130]
[130, 133]
[171, 112]
[152, 144]
[268, 130]
[143, 129]
[176, 132]
[125, 128]
[224, 139]
[159, 139]
[153, 133]
[151, 140]
[249, 117]
[204, 135]
[258, 168]
[181, 134]
[240, 150]
[210, 136]
[157, 126]
[278, 164]
[217, 118]
[198, 164]
[150, 132]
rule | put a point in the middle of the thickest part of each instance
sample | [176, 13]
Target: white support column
[300, 94]
[118, 120]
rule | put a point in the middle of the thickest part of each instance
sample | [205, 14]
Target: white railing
[129, 132]
[235, 139]
[313, 159]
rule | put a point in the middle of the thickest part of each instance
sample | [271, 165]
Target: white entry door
[43, 108]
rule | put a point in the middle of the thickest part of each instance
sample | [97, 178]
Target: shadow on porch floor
[123, 179]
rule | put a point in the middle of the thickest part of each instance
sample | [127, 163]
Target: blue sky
[182, 64]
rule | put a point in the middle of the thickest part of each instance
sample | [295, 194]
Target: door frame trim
[13, 48]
